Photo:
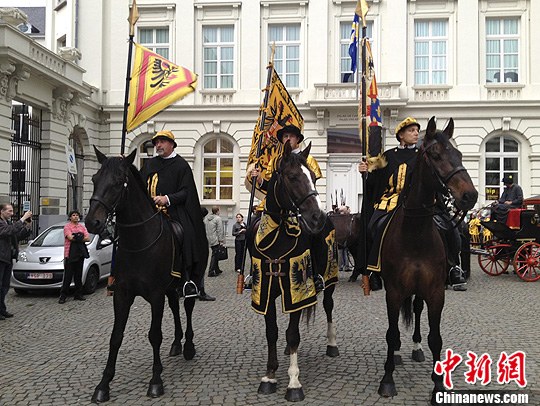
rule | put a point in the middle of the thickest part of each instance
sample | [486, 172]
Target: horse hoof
[287, 350]
[387, 390]
[176, 349]
[418, 356]
[266, 388]
[100, 395]
[189, 352]
[155, 390]
[294, 394]
[398, 360]
[332, 351]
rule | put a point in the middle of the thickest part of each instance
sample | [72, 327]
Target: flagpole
[365, 277]
[270, 69]
[133, 17]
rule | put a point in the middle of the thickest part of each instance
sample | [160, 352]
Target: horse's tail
[407, 311]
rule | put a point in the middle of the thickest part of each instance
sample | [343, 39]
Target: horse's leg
[328, 304]
[417, 353]
[189, 346]
[172, 298]
[387, 387]
[155, 336]
[269, 382]
[294, 393]
[122, 303]
[435, 307]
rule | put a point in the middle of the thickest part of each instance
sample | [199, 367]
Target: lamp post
[149, 148]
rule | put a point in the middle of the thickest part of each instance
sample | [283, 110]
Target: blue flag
[353, 47]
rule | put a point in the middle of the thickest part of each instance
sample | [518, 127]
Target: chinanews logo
[508, 368]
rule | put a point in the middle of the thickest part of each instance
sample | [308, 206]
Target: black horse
[143, 263]
[412, 252]
[287, 256]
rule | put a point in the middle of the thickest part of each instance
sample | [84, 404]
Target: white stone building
[473, 60]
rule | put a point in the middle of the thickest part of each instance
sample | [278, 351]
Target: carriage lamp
[149, 148]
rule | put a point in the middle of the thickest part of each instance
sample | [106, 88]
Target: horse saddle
[178, 231]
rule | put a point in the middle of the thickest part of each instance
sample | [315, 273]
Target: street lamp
[149, 148]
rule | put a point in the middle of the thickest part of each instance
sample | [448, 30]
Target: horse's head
[446, 163]
[296, 188]
[110, 185]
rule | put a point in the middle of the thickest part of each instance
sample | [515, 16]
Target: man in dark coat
[10, 234]
[170, 183]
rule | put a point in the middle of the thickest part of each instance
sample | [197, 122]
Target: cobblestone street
[54, 354]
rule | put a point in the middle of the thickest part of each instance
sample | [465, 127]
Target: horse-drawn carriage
[515, 242]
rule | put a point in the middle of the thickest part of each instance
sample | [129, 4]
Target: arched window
[218, 169]
[502, 159]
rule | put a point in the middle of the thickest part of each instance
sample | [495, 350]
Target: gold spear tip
[133, 17]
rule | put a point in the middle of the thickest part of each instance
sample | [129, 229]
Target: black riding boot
[457, 278]
[375, 281]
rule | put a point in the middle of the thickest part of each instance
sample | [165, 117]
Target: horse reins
[111, 212]
[442, 186]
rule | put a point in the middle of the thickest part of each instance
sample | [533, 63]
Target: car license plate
[40, 276]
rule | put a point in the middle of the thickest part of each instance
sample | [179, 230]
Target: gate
[25, 162]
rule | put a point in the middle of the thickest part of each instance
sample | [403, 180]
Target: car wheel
[92, 279]
[20, 291]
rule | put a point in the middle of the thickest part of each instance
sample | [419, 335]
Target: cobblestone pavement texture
[54, 354]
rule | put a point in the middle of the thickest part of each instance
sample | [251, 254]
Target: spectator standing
[239, 232]
[75, 251]
[216, 237]
[10, 235]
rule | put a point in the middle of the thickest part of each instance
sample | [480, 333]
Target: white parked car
[41, 263]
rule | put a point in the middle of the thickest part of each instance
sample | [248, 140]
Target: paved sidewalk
[54, 354]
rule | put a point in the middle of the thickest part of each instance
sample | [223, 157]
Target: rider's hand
[362, 167]
[161, 200]
[255, 172]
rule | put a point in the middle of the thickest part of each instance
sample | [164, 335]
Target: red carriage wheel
[496, 261]
[527, 262]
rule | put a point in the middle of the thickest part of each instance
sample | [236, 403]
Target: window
[502, 45]
[218, 54]
[287, 56]
[345, 28]
[430, 52]
[155, 39]
[502, 158]
[218, 169]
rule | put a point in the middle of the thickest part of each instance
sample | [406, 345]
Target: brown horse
[412, 253]
[286, 260]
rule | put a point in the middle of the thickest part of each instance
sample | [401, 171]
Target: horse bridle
[443, 180]
[295, 204]
[111, 212]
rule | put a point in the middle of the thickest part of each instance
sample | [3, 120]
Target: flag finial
[362, 10]
[133, 17]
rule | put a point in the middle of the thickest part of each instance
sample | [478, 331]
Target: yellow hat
[164, 134]
[406, 123]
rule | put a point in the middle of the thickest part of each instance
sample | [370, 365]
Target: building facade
[472, 60]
